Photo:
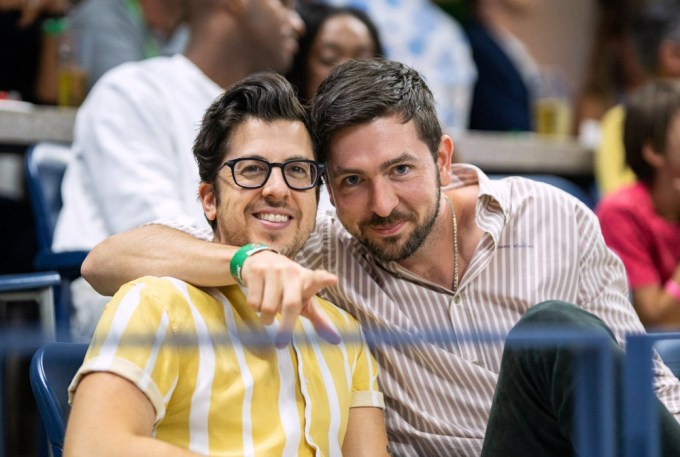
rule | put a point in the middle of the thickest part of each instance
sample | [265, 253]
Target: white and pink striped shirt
[539, 244]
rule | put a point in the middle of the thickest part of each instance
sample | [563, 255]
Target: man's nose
[382, 198]
[276, 185]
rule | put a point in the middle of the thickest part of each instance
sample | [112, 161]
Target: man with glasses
[177, 369]
[132, 160]
[254, 173]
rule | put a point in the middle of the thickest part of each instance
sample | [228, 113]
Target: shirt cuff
[367, 398]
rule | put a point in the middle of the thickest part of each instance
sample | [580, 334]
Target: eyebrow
[261, 157]
[404, 157]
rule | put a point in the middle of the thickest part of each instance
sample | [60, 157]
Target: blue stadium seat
[52, 369]
[45, 167]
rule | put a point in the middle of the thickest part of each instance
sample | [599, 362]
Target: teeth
[273, 217]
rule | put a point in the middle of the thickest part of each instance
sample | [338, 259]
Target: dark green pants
[532, 413]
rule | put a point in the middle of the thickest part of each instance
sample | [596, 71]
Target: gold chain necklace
[455, 244]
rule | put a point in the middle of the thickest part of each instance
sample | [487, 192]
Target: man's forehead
[281, 139]
[386, 137]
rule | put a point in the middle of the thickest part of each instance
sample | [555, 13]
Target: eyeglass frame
[320, 168]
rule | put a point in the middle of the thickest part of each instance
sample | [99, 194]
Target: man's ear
[654, 158]
[444, 156]
[208, 196]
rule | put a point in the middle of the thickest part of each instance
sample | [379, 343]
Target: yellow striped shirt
[214, 393]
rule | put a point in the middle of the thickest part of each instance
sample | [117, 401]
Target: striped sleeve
[361, 369]
[123, 343]
[365, 390]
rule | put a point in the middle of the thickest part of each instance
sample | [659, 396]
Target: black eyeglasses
[254, 173]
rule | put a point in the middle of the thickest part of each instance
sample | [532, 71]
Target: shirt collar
[490, 190]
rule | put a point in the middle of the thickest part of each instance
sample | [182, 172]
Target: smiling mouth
[387, 229]
[269, 217]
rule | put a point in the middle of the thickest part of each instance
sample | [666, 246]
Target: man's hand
[277, 284]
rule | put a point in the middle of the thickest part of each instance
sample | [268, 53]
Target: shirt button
[456, 299]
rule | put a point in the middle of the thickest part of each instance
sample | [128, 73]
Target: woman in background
[333, 35]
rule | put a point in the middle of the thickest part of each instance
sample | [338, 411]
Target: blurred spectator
[133, 136]
[614, 68]
[421, 35]
[111, 32]
[332, 36]
[641, 222]
[507, 75]
[656, 35]
[27, 66]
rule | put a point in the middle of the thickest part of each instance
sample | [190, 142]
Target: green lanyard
[137, 14]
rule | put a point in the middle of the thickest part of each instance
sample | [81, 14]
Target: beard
[389, 249]
[292, 247]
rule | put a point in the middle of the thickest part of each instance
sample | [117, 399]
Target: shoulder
[545, 188]
[128, 87]
[159, 289]
[527, 201]
[630, 201]
[139, 71]
[152, 76]
[165, 292]
[150, 297]
[512, 193]
[91, 14]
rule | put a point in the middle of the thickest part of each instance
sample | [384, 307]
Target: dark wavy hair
[359, 91]
[314, 15]
[267, 96]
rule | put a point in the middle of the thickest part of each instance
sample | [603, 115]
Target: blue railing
[595, 406]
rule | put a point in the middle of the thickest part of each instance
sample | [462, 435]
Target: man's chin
[287, 248]
[385, 250]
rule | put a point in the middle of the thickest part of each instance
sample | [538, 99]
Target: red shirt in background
[648, 244]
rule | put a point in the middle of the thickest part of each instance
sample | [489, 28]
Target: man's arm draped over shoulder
[156, 250]
[276, 284]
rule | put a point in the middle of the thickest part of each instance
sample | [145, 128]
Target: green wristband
[54, 26]
[236, 263]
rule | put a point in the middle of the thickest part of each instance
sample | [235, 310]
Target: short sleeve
[132, 341]
[365, 390]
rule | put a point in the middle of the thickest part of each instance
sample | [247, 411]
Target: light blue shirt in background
[421, 35]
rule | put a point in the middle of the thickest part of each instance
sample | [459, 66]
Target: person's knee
[560, 314]
[548, 319]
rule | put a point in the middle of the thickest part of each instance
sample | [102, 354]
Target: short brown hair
[359, 91]
[649, 112]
